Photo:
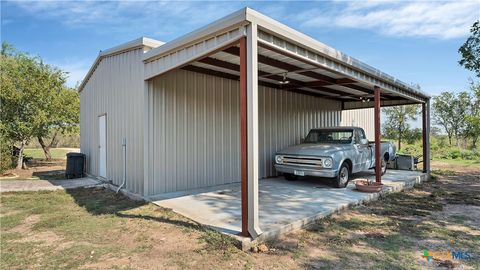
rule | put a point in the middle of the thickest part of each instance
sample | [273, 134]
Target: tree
[60, 109]
[35, 101]
[470, 50]
[450, 113]
[397, 118]
[18, 113]
[412, 135]
[473, 119]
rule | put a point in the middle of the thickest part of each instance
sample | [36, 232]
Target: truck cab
[334, 152]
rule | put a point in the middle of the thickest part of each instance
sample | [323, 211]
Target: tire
[384, 167]
[343, 176]
[290, 177]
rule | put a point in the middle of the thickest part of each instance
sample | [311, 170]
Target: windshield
[329, 136]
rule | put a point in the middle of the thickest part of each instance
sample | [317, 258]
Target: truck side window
[362, 134]
[359, 135]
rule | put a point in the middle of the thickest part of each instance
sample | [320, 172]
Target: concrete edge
[248, 243]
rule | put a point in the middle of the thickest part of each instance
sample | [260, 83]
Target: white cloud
[442, 20]
[129, 16]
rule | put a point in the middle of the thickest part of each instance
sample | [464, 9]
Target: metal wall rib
[195, 129]
[360, 118]
[115, 88]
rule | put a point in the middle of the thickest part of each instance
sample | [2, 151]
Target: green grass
[81, 217]
[37, 153]
[461, 162]
[89, 225]
[96, 225]
[390, 233]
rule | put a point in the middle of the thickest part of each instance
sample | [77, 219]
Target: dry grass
[95, 228]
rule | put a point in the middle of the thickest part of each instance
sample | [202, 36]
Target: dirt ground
[97, 229]
[38, 169]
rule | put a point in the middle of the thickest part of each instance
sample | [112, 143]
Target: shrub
[6, 158]
[454, 153]
[470, 154]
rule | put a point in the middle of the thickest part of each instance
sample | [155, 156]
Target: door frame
[98, 147]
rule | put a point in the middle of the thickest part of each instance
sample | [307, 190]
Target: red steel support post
[378, 159]
[243, 134]
[426, 136]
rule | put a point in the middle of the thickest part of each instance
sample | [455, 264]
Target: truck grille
[304, 161]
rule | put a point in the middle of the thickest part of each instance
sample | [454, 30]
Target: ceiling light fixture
[284, 80]
[364, 99]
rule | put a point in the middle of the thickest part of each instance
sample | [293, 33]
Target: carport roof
[310, 66]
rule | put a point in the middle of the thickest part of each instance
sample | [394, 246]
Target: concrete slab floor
[283, 205]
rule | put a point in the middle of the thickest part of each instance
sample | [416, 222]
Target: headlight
[327, 162]
[279, 159]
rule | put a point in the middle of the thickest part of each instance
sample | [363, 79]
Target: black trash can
[75, 165]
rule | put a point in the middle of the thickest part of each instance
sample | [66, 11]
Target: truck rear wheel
[343, 176]
[290, 177]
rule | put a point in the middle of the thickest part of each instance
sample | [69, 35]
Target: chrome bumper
[308, 172]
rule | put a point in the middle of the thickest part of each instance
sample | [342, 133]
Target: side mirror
[364, 141]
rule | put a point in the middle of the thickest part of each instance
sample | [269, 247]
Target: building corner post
[146, 136]
[252, 129]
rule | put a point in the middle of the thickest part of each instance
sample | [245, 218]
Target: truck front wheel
[343, 176]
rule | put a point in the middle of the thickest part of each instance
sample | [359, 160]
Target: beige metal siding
[360, 118]
[286, 117]
[194, 119]
[115, 89]
[195, 132]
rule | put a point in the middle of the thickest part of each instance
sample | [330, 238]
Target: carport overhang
[256, 50]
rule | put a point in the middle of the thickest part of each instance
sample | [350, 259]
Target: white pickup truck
[335, 152]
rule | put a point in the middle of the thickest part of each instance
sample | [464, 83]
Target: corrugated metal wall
[286, 117]
[194, 121]
[115, 88]
[360, 118]
[194, 132]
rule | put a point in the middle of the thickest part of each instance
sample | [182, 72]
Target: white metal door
[102, 146]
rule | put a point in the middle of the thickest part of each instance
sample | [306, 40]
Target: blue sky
[416, 42]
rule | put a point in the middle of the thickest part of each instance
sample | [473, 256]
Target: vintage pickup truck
[335, 152]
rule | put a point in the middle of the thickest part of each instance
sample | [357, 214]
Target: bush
[470, 154]
[439, 149]
[6, 158]
[454, 153]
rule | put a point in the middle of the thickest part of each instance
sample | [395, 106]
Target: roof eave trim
[229, 21]
[128, 46]
[274, 27]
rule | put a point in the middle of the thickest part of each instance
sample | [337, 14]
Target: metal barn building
[212, 107]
